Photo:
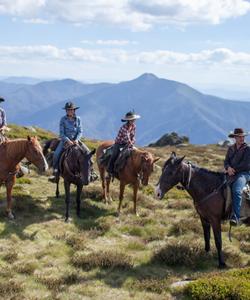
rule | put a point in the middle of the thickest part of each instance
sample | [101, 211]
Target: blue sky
[202, 43]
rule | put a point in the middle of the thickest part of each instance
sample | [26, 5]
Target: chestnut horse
[138, 168]
[11, 153]
[206, 189]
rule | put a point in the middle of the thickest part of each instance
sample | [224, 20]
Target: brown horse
[75, 167]
[138, 168]
[11, 153]
[206, 189]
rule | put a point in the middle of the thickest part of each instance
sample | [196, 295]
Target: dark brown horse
[138, 168]
[206, 189]
[75, 167]
[11, 153]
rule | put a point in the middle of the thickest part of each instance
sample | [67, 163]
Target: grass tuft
[103, 260]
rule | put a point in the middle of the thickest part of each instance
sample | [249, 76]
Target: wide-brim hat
[70, 105]
[130, 116]
[237, 132]
[2, 99]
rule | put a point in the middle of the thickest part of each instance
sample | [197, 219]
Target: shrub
[181, 253]
[9, 287]
[183, 226]
[219, 288]
[102, 259]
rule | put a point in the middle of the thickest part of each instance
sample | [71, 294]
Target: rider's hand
[70, 143]
[230, 171]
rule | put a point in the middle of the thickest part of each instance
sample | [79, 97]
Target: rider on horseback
[125, 138]
[70, 134]
[3, 123]
[237, 166]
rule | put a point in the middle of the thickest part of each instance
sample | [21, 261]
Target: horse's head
[147, 166]
[86, 166]
[34, 154]
[171, 175]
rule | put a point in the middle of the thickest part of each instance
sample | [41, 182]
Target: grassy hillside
[101, 256]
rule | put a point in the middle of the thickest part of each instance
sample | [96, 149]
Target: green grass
[102, 256]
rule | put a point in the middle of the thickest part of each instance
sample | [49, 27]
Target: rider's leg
[57, 155]
[237, 188]
[115, 153]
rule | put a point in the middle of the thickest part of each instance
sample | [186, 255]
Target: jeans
[237, 188]
[114, 156]
[57, 154]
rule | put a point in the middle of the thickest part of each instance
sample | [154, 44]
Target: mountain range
[164, 105]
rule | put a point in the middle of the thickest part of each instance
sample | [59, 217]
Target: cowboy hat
[70, 105]
[2, 99]
[130, 116]
[237, 132]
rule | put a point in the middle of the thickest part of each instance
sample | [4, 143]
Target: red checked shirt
[126, 134]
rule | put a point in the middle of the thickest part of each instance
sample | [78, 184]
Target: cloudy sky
[199, 42]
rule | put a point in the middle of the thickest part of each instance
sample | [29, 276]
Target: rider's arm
[79, 129]
[62, 130]
[227, 159]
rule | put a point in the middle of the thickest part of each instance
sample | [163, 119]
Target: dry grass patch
[180, 204]
[26, 267]
[153, 285]
[245, 247]
[185, 225]
[102, 259]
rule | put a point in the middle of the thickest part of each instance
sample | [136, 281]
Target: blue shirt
[70, 130]
[2, 118]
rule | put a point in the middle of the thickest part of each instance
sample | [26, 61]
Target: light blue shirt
[70, 130]
[2, 118]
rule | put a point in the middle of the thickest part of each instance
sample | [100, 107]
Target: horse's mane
[202, 170]
[13, 145]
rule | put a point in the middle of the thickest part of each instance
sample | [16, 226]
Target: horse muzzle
[158, 192]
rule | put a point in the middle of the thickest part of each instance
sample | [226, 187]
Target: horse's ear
[179, 160]
[28, 138]
[156, 159]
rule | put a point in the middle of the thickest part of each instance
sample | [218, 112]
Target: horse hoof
[222, 266]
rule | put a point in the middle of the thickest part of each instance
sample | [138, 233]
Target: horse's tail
[46, 147]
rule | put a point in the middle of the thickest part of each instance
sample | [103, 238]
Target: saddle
[121, 160]
[245, 205]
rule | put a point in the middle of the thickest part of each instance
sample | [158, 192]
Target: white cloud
[135, 14]
[36, 21]
[219, 56]
[109, 42]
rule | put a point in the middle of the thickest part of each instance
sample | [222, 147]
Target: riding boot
[54, 177]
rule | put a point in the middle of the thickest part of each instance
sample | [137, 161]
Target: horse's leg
[216, 225]
[78, 199]
[9, 186]
[67, 198]
[57, 187]
[135, 186]
[107, 185]
[206, 230]
[122, 188]
[102, 176]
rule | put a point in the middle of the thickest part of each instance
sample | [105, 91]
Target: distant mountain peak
[147, 76]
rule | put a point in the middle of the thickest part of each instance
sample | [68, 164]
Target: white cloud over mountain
[161, 57]
[134, 14]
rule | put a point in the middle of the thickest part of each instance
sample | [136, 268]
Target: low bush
[182, 253]
[219, 288]
[103, 260]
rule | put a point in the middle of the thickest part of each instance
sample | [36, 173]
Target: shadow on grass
[30, 210]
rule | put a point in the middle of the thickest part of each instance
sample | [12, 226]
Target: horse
[207, 190]
[75, 167]
[11, 153]
[138, 168]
